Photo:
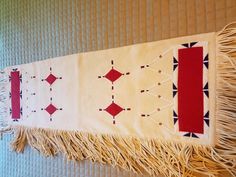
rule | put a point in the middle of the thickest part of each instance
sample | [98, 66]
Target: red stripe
[190, 90]
[15, 94]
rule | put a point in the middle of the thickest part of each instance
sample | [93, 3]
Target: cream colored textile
[80, 92]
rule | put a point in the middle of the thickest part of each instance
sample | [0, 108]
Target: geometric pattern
[15, 94]
[113, 75]
[166, 78]
[114, 109]
[51, 108]
[205, 90]
[51, 78]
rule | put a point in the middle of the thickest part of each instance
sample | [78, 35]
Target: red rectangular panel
[15, 94]
[190, 90]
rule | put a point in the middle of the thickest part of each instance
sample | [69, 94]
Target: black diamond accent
[206, 86]
[207, 122]
[194, 136]
[175, 120]
[206, 115]
[188, 134]
[206, 93]
[192, 44]
[186, 45]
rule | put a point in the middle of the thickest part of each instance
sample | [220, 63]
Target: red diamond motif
[114, 109]
[50, 79]
[51, 109]
[113, 75]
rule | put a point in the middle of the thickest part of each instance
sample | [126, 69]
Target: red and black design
[190, 90]
[113, 109]
[15, 94]
[51, 78]
[113, 75]
[51, 108]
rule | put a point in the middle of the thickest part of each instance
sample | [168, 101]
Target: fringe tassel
[154, 156]
[3, 106]
[226, 96]
[151, 157]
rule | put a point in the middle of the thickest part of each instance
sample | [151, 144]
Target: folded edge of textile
[150, 156]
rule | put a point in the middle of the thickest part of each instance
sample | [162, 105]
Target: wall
[33, 30]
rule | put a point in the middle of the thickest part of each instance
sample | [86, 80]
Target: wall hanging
[161, 107]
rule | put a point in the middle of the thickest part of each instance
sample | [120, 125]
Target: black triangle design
[207, 121]
[174, 93]
[175, 66]
[175, 120]
[206, 86]
[21, 94]
[187, 134]
[206, 115]
[206, 93]
[192, 44]
[186, 45]
[174, 114]
[194, 136]
[175, 60]
[206, 64]
[206, 58]
[174, 87]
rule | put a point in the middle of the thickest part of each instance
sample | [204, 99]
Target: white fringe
[155, 157]
[3, 100]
